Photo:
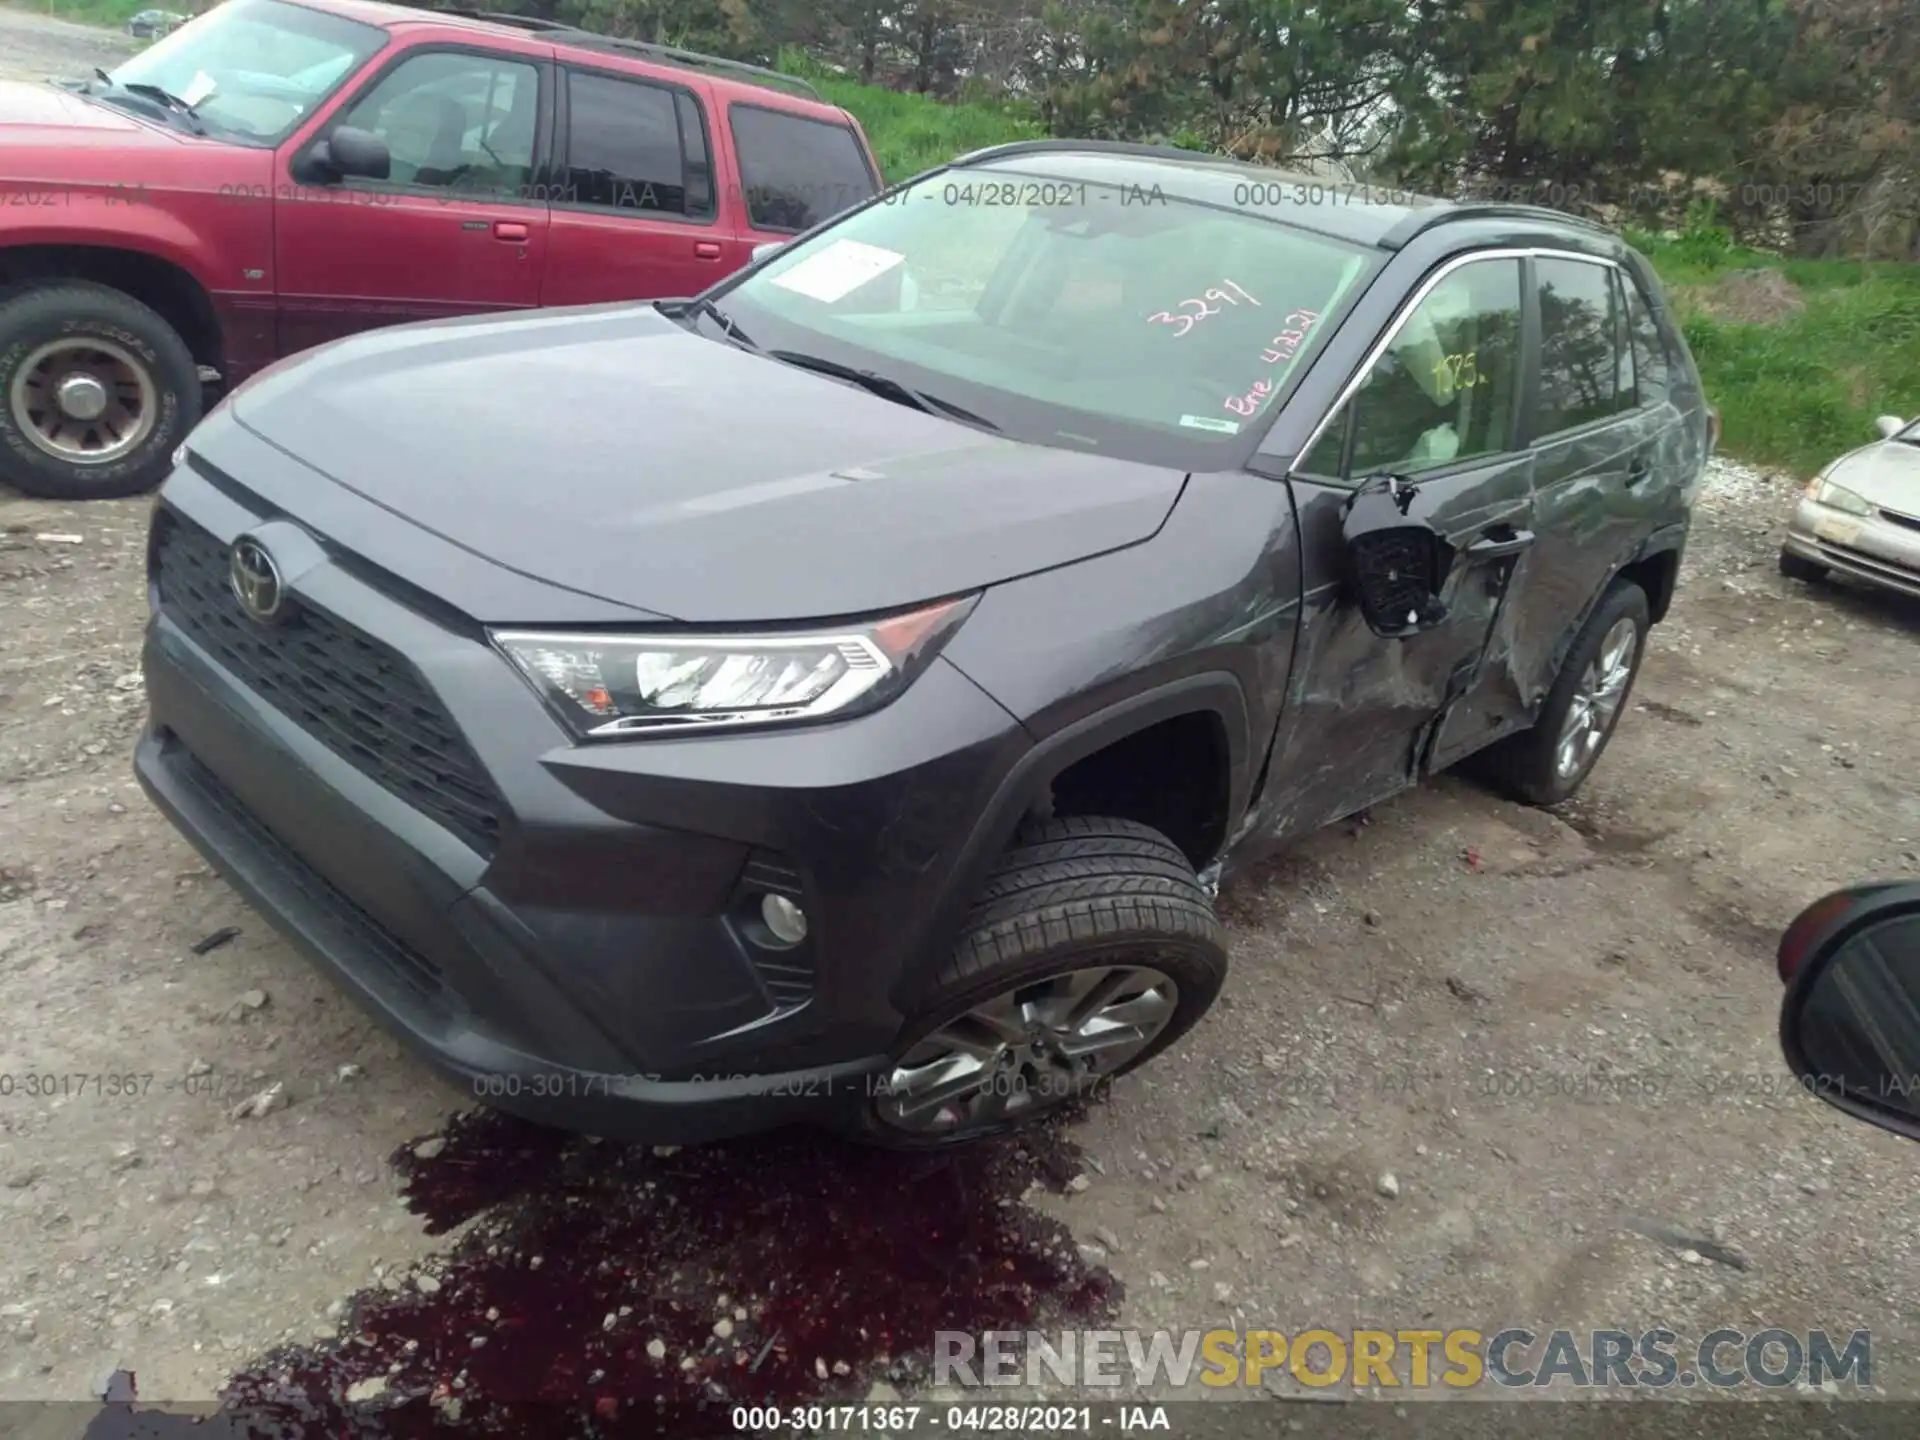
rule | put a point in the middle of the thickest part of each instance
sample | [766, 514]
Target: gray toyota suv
[835, 698]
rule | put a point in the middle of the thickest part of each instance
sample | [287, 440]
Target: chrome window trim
[1413, 303]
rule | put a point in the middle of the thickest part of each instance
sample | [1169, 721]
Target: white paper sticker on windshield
[838, 269]
[199, 88]
[1207, 422]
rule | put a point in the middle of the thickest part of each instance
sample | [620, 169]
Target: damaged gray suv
[835, 698]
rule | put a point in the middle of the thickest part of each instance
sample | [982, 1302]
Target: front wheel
[96, 391]
[1091, 948]
[1546, 764]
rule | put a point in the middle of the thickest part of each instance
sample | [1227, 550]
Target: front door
[1365, 716]
[459, 226]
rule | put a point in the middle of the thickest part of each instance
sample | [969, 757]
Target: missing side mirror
[1396, 566]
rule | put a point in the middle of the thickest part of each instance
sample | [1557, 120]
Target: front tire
[96, 391]
[1798, 567]
[1090, 949]
[1546, 764]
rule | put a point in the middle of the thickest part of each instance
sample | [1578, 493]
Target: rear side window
[628, 148]
[797, 171]
[1650, 365]
[1585, 372]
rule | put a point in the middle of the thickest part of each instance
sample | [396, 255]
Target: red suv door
[633, 207]
[458, 226]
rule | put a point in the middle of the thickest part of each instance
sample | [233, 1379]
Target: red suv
[276, 174]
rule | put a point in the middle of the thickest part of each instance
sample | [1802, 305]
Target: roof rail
[1103, 147]
[665, 54]
[501, 17]
[1450, 210]
[692, 60]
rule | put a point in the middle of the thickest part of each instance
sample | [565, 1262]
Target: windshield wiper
[886, 388]
[704, 306]
[165, 97]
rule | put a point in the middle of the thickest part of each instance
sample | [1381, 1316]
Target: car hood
[607, 451]
[45, 114]
[1886, 473]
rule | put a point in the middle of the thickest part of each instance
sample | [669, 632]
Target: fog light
[786, 920]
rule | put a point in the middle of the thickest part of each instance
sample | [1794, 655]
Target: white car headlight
[1823, 491]
[609, 686]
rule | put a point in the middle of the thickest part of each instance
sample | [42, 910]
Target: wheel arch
[163, 284]
[1211, 704]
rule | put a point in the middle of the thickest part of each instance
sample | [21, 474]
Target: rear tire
[1798, 567]
[1075, 908]
[117, 354]
[1547, 763]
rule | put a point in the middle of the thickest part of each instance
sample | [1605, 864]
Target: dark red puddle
[831, 1265]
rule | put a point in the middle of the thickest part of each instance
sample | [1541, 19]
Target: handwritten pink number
[1205, 309]
[1248, 298]
[1185, 322]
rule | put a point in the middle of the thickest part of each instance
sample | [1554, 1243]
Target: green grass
[911, 133]
[1800, 391]
[114, 13]
[1793, 394]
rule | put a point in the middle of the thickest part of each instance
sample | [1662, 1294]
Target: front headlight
[610, 686]
[1823, 491]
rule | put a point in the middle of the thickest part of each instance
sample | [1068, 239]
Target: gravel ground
[1413, 997]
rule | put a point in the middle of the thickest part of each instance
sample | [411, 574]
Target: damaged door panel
[1416, 514]
[1597, 492]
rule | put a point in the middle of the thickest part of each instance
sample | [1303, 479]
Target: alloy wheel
[1028, 1049]
[1597, 699]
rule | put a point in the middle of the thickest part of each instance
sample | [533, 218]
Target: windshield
[1062, 312]
[253, 69]
[1911, 434]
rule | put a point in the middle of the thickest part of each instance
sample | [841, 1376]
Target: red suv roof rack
[664, 54]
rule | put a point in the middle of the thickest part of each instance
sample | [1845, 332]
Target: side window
[797, 171]
[454, 121]
[1446, 385]
[1649, 346]
[626, 149]
[1581, 364]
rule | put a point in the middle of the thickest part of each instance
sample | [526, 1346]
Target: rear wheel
[1797, 567]
[1091, 948]
[96, 391]
[1546, 764]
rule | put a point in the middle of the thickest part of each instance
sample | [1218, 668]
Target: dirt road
[1469, 1056]
[34, 47]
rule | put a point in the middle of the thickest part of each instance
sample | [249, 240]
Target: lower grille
[419, 976]
[1911, 522]
[1861, 560]
[359, 697]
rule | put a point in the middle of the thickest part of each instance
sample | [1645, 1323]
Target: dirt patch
[1747, 297]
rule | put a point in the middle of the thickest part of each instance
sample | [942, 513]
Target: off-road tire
[1798, 567]
[1067, 894]
[1524, 765]
[32, 316]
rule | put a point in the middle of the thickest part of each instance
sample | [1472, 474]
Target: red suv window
[628, 147]
[797, 171]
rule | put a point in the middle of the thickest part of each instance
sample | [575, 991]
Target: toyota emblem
[255, 581]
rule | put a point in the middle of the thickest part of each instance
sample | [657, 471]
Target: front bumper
[1881, 549]
[562, 929]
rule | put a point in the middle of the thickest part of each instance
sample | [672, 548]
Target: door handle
[1638, 471]
[509, 230]
[1500, 541]
[706, 249]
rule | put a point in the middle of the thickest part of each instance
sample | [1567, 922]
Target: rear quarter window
[797, 171]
